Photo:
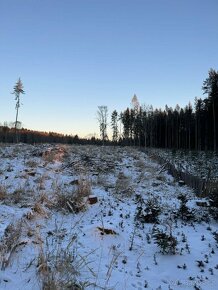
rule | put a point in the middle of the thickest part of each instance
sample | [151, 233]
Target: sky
[75, 55]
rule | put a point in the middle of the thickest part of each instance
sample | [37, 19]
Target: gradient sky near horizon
[75, 55]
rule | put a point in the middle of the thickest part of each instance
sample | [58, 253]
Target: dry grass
[102, 180]
[11, 198]
[69, 202]
[140, 164]
[84, 187]
[59, 265]
[41, 182]
[49, 156]
[63, 202]
[44, 199]
[39, 209]
[3, 192]
[31, 163]
[9, 243]
[17, 195]
[72, 200]
[123, 185]
[54, 154]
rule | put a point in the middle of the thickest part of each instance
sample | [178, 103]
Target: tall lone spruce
[18, 89]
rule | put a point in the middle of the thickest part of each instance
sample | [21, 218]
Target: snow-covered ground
[203, 164]
[54, 235]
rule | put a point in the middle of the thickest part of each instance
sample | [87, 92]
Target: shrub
[148, 211]
[213, 201]
[184, 212]
[165, 241]
[215, 235]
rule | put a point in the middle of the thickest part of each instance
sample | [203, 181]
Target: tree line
[7, 135]
[192, 127]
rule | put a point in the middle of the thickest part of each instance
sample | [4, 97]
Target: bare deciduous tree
[114, 126]
[102, 115]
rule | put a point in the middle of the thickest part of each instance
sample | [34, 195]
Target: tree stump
[93, 199]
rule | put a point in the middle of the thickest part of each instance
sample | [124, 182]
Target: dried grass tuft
[84, 186]
[31, 163]
[123, 185]
[59, 266]
[76, 200]
[3, 192]
[9, 243]
[69, 202]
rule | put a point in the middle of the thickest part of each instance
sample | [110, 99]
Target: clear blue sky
[74, 55]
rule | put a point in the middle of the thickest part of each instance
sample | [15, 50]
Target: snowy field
[86, 217]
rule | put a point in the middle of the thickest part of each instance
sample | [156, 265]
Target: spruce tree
[18, 89]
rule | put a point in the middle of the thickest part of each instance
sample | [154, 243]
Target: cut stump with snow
[93, 199]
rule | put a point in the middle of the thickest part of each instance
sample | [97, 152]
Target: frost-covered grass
[145, 231]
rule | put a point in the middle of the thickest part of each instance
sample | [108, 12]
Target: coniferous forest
[193, 127]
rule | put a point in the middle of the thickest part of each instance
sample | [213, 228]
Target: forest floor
[88, 217]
